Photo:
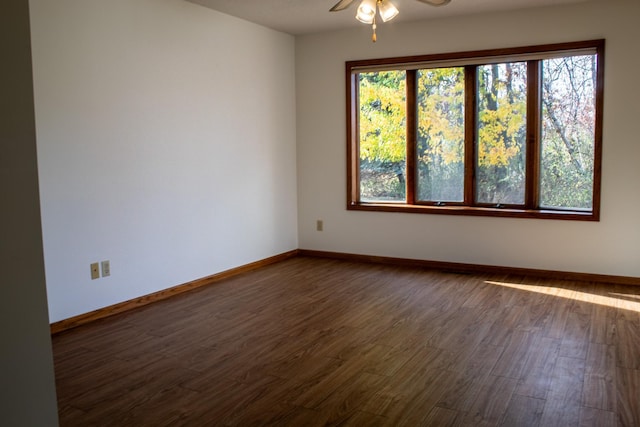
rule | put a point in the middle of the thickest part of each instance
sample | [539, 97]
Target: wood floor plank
[225, 404]
[628, 344]
[507, 321]
[166, 407]
[523, 411]
[465, 329]
[564, 294]
[626, 301]
[392, 360]
[314, 342]
[628, 390]
[590, 417]
[444, 417]
[495, 297]
[557, 413]
[491, 403]
[409, 380]
[599, 389]
[465, 384]
[514, 358]
[344, 404]
[141, 382]
[414, 407]
[575, 340]
[359, 418]
[537, 310]
[71, 416]
[537, 372]
[341, 378]
[257, 414]
[603, 321]
[563, 403]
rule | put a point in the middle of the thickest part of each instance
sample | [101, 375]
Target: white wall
[26, 364]
[606, 247]
[166, 144]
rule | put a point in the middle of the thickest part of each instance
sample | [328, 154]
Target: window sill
[475, 211]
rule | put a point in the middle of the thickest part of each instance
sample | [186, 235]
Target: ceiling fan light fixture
[387, 10]
[366, 11]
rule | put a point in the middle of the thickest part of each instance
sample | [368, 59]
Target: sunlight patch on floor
[616, 300]
[625, 295]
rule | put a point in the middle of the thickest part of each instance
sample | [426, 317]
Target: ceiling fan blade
[435, 2]
[341, 5]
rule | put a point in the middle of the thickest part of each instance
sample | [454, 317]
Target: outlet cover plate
[95, 271]
[106, 268]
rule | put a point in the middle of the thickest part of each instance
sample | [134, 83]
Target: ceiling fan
[367, 10]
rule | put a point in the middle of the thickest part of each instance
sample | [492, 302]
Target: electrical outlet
[319, 225]
[95, 271]
[106, 268]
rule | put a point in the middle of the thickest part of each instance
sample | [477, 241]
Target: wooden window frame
[533, 55]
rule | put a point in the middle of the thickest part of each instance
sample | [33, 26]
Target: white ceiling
[312, 16]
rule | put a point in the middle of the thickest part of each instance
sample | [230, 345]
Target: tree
[502, 119]
[440, 139]
[568, 107]
[382, 135]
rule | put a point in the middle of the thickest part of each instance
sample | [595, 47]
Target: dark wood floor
[310, 342]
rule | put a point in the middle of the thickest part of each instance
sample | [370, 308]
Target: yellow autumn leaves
[382, 116]
[441, 130]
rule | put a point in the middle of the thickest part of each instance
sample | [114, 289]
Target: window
[511, 132]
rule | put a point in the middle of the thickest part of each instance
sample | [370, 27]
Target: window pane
[382, 127]
[568, 132]
[440, 138]
[502, 123]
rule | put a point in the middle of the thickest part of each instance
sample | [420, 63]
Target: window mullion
[353, 134]
[470, 132]
[411, 123]
[532, 174]
[597, 166]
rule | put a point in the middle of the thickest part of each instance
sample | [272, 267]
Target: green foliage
[568, 100]
[380, 180]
